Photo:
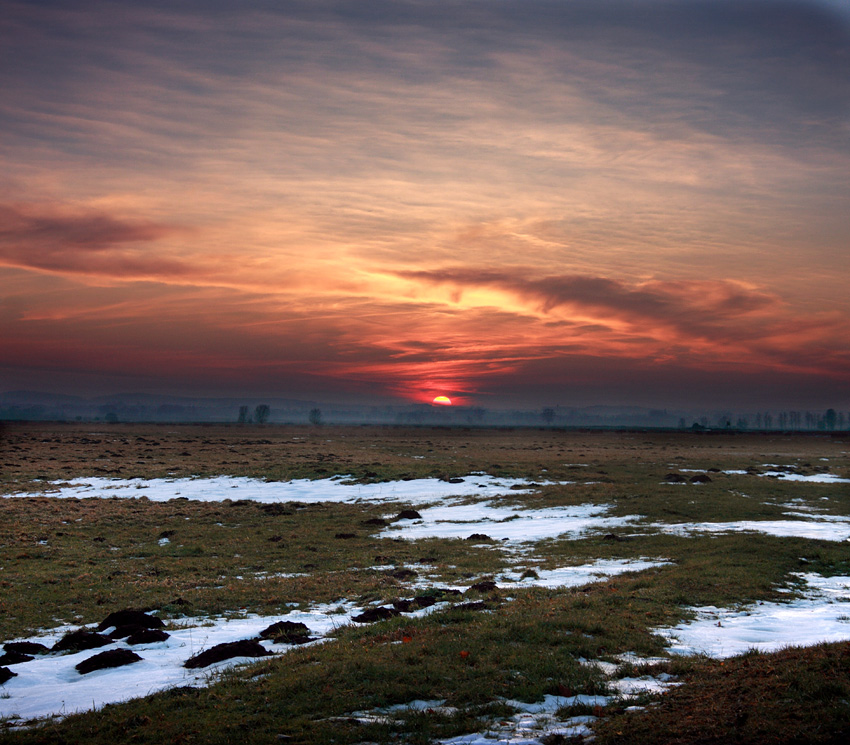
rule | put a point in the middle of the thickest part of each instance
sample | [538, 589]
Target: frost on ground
[821, 614]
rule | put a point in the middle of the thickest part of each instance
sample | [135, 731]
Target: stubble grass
[245, 557]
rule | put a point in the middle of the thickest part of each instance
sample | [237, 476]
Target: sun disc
[442, 401]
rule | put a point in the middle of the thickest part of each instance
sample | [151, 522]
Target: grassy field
[75, 560]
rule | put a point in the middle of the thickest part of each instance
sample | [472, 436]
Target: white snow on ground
[534, 721]
[526, 727]
[643, 684]
[49, 685]
[821, 615]
[824, 528]
[815, 478]
[455, 520]
[577, 575]
[450, 517]
[300, 490]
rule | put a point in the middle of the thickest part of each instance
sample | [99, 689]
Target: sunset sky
[508, 202]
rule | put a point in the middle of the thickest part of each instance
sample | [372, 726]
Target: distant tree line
[262, 412]
[828, 421]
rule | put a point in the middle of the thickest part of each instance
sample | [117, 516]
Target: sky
[507, 202]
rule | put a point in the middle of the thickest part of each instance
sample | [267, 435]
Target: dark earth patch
[226, 651]
[110, 658]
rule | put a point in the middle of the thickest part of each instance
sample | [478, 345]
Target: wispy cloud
[87, 242]
[471, 193]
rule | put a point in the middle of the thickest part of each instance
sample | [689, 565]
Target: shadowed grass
[791, 696]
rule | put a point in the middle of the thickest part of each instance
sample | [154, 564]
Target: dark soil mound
[408, 515]
[293, 637]
[77, 641]
[345, 536]
[148, 636]
[287, 632]
[275, 510]
[226, 651]
[6, 674]
[451, 479]
[479, 537]
[477, 605]
[112, 658]
[26, 647]
[403, 574]
[424, 601]
[375, 614]
[487, 585]
[122, 632]
[130, 618]
[613, 537]
[420, 601]
[446, 592]
[675, 478]
[700, 478]
[374, 521]
[15, 658]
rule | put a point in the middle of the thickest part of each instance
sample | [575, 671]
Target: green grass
[231, 556]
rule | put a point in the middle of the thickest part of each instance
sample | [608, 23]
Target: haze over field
[509, 203]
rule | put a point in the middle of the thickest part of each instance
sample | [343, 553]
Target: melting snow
[579, 575]
[457, 520]
[50, 685]
[300, 490]
[824, 528]
[821, 615]
[815, 478]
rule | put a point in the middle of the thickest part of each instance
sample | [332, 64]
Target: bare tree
[243, 414]
[830, 419]
[315, 416]
[261, 413]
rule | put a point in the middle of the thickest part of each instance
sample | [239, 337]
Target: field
[718, 618]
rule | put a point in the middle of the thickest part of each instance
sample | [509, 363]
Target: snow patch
[308, 491]
[822, 614]
[459, 520]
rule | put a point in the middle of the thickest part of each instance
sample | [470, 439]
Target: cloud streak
[87, 242]
[402, 196]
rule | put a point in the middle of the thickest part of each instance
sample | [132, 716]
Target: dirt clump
[110, 658]
[375, 614]
[226, 651]
[78, 641]
[148, 636]
[6, 674]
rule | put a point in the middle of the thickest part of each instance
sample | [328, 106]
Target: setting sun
[442, 401]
